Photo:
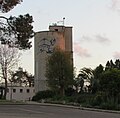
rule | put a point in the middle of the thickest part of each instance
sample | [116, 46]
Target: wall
[21, 93]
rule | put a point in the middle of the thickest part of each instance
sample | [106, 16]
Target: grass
[11, 102]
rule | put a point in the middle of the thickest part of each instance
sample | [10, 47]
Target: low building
[20, 93]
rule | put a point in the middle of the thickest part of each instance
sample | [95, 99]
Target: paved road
[38, 111]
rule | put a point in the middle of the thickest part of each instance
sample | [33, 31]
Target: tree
[110, 83]
[15, 31]
[9, 58]
[111, 65]
[29, 79]
[98, 70]
[59, 71]
[85, 74]
[22, 77]
[7, 5]
[95, 81]
[117, 64]
[79, 82]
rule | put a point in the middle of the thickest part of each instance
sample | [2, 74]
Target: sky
[96, 28]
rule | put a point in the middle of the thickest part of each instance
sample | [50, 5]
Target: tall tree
[95, 81]
[59, 71]
[117, 64]
[9, 58]
[110, 64]
[7, 5]
[15, 31]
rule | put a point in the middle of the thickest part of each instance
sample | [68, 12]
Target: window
[14, 90]
[56, 29]
[28, 90]
[21, 90]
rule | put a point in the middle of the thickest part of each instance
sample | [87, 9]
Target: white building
[18, 93]
[44, 42]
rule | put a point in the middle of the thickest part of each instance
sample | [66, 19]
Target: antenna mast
[62, 21]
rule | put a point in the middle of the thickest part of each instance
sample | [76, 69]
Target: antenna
[61, 22]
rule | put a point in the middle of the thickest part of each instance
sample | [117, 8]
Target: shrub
[98, 99]
[69, 92]
[109, 106]
[43, 95]
[84, 98]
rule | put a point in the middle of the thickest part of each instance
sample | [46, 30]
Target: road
[38, 111]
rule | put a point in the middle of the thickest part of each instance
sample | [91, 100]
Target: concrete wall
[20, 93]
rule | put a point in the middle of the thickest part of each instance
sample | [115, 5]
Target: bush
[84, 98]
[119, 98]
[109, 106]
[43, 95]
[97, 99]
[69, 92]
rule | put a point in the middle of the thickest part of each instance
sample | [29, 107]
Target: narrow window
[21, 90]
[28, 90]
[14, 90]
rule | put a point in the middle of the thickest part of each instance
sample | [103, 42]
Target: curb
[74, 107]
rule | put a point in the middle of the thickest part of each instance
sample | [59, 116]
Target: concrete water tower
[44, 42]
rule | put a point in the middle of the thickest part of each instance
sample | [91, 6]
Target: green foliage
[98, 71]
[22, 77]
[85, 74]
[43, 95]
[110, 105]
[17, 31]
[95, 80]
[110, 64]
[59, 71]
[84, 98]
[105, 88]
[23, 29]
[7, 5]
[70, 91]
[98, 99]
[110, 82]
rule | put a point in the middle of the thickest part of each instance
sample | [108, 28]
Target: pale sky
[96, 28]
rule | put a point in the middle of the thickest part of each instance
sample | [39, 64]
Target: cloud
[86, 38]
[101, 39]
[115, 5]
[81, 51]
[116, 55]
